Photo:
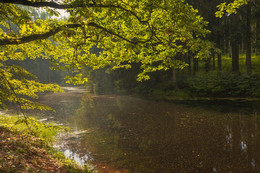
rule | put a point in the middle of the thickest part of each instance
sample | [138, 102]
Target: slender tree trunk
[241, 46]
[235, 56]
[227, 34]
[256, 24]
[173, 75]
[248, 39]
[219, 36]
[234, 42]
[183, 59]
[219, 62]
[189, 62]
[195, 66]
[224, 40]
[207, 65]
[257, 35]
[213, 61]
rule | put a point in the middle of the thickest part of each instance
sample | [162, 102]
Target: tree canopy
[154, 33]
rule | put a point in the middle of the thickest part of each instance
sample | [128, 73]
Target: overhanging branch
[33, 37]
[110, 32]
[67, 6]
[133, 41]
[37, 4]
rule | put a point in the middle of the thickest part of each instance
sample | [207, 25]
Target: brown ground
[22, 153]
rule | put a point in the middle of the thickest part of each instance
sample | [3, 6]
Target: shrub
[224, 84]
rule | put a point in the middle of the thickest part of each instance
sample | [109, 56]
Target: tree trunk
[257, 36]
[195, 66]
[234, 41]
[227, 35]
[207, 66]
[173, 75]
[235, 56]
[256, 28]
[219, 46]
[189, 62]
[213, 61]
[219, 62]
[248, 39]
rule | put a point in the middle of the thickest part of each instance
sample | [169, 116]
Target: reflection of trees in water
[145, 136]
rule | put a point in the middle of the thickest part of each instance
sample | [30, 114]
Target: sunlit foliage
[152, 33]
[230, 8]
[45, 131]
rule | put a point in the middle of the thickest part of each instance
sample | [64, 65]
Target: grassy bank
[25, 146]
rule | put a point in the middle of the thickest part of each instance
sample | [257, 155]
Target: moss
[24, 149]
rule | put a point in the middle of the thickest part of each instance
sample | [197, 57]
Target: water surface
[127, 134]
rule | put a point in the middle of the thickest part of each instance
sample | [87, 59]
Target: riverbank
[24, 149]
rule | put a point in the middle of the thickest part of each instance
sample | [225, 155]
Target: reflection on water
[125, 134]
[76, 157]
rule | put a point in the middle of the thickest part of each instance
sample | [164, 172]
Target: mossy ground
[22, 152]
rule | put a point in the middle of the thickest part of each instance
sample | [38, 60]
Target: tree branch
[110, 32]
[119, 7]
[37, 4]
[67, 6]
[33, 37]
[133, 41]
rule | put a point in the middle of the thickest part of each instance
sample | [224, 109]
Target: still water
[126, 134]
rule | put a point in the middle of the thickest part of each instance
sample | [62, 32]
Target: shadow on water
[126, 134]
[226, 106]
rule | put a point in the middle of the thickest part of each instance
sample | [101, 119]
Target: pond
[126, 134]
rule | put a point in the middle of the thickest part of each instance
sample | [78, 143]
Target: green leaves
[230, 8]
[18, 85]
[77, 79]
[152, 33]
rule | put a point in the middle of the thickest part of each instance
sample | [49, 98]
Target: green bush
[224, 84]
